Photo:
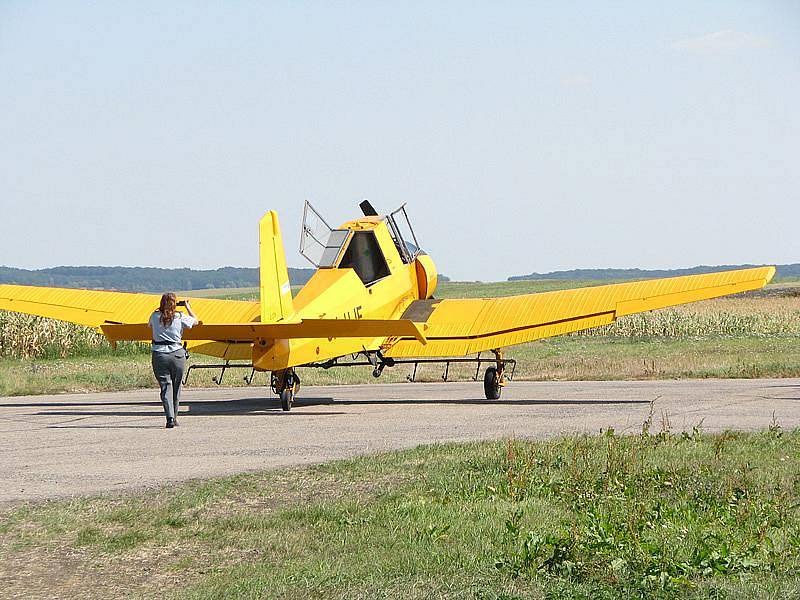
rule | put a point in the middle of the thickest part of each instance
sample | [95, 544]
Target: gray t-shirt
[172, 333]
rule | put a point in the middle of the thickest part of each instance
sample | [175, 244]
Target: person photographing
[168, 353]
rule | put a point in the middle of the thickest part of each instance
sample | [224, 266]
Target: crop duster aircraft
[372, 295]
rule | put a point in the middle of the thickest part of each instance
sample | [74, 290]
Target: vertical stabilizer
[276, 291]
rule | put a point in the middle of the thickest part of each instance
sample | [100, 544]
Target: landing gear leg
[494, 378]
[285, 384]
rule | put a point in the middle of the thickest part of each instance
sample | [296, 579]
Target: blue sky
[523, 136]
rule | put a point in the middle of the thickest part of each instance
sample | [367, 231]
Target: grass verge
[564, 358]
[655, 515]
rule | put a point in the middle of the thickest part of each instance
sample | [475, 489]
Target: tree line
[142, 279]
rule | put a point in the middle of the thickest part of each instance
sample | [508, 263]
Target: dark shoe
[170, 423]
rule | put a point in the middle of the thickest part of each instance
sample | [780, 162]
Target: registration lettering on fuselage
[354, 314]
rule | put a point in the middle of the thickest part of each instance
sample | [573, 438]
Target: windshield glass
[319, 243]
[403, 234]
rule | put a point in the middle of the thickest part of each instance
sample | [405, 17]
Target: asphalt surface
[66, 445]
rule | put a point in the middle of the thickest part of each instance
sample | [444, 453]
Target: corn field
[25, 336]
[673, 323]
[734, 316]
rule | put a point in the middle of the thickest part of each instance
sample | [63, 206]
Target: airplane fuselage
[340, 292]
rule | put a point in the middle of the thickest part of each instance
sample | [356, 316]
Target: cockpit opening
[365, 257]
[348, 248]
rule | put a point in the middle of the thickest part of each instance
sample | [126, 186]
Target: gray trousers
[168, 368]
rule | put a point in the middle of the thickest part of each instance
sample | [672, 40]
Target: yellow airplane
[371, 295]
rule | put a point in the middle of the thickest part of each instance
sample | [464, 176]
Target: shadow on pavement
[271, 405]
[189, 408]
[37, 404]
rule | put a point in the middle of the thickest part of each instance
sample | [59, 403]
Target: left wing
[460, 327]
[96, 307]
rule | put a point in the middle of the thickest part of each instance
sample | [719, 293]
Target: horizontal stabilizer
[250, 332]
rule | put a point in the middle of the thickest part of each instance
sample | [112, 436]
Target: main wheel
[287, 395]
[491, 384]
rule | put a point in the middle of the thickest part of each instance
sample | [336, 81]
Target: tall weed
[649, 513]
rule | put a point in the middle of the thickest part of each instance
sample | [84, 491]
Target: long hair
[167, 309]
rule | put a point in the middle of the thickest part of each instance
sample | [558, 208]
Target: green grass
[81, 374]
[654, 515]
[480, 289]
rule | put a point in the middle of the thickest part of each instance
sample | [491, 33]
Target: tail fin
[276, 291]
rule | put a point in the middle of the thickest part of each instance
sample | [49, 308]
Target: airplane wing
[460, 327]
[95, 308]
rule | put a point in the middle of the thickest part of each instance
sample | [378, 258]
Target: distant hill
[792, 270]
[145, 279]
[142, 279]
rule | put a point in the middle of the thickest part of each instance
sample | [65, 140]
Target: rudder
[276, 291]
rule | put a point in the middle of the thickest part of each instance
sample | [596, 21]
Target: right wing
[461, 327]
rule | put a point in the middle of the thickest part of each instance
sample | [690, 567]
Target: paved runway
[65, 445]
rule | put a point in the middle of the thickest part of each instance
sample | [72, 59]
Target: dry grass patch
[145, 545]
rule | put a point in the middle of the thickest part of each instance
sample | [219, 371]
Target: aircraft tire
[491, 386]
[286, 399]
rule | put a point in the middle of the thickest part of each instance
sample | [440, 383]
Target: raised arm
[189, 310]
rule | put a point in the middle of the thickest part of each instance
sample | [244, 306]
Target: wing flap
[458, 327]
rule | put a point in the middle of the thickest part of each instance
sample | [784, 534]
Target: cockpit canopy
[357, 248]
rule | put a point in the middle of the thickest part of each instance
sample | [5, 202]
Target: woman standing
[169, 356]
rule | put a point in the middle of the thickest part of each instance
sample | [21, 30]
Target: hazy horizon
[312, 268]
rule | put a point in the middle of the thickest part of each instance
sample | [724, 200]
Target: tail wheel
[491, 384]
[286, 384]
[287, 396]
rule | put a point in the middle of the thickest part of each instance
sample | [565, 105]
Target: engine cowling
[426, 276]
